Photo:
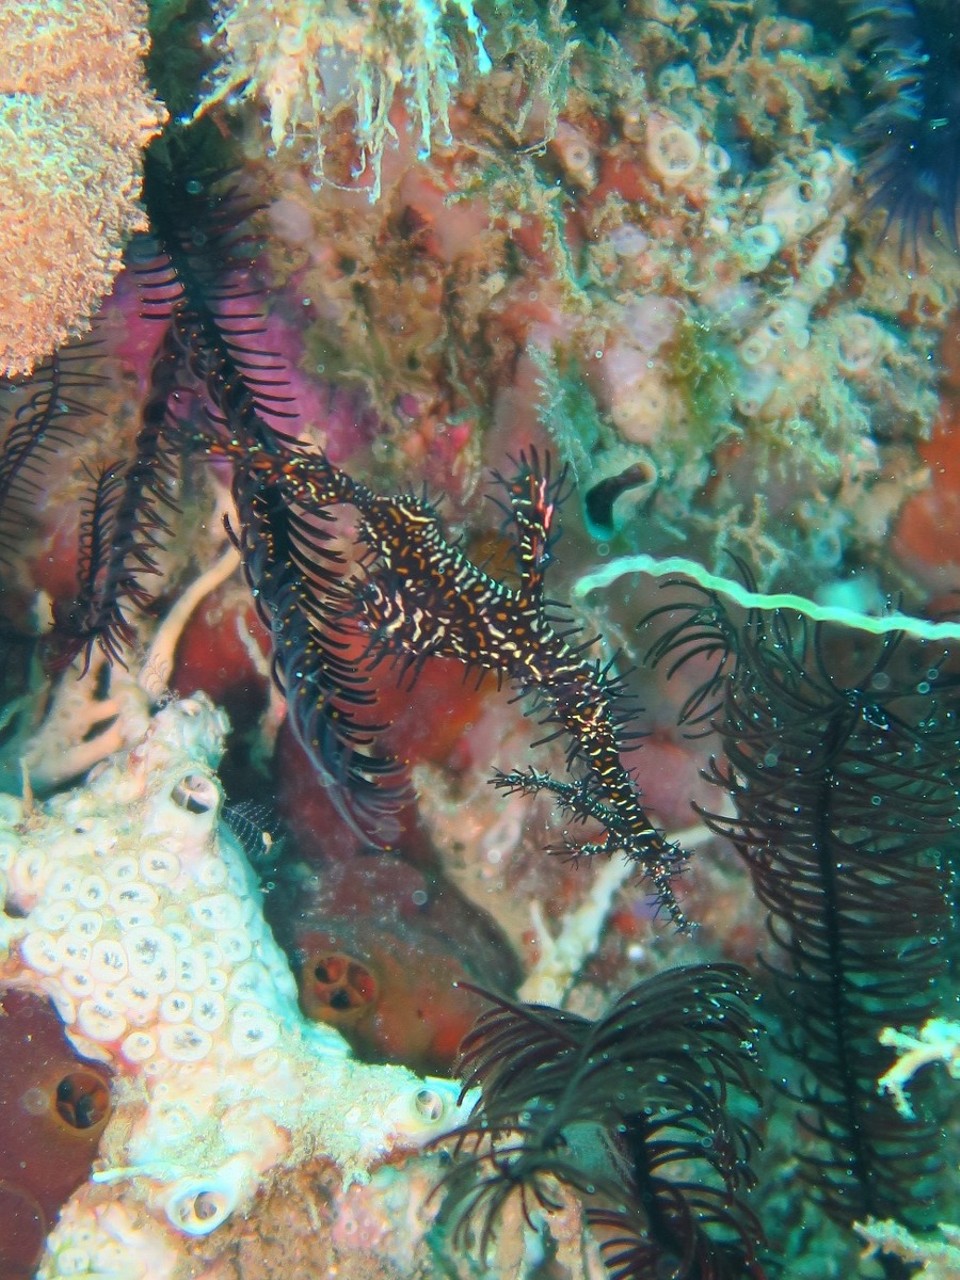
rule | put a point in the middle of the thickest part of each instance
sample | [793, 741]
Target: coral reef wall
[670, 272]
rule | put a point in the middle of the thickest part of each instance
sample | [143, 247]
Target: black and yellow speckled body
[417, 596]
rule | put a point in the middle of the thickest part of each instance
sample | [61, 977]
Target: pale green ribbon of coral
[660, 567]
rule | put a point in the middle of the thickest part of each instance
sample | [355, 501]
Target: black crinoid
[44, 417]
[229, 398]
[213, 378]
[41, 415]
[638, 1113]
[910, 135]
[839, 750]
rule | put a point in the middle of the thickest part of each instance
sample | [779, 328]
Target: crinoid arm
[838, 751]
[49, 407]
[638, 1113]
[303, 602]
